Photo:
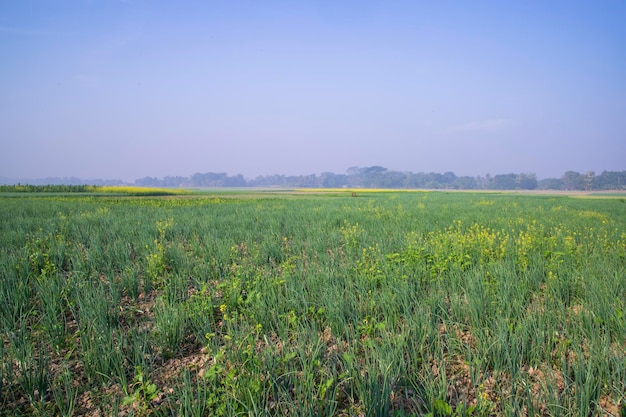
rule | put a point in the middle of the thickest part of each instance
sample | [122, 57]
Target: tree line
[380, 177]
[48, 188]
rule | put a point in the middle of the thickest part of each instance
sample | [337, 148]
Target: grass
[394, 303]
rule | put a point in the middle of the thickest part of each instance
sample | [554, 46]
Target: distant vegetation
[380, 177]
[355, 177]
[118, 189]
[50, 188]
[60, 181]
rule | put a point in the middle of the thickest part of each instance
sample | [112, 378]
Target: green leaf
[441, 407]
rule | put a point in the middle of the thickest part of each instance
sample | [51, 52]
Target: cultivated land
[315, 304]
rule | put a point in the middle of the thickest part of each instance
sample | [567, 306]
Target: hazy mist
[127, 89]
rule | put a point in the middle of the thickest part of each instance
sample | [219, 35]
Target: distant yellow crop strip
[355, 190]
[139, 190]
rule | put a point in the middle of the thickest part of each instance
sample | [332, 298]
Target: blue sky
[134, 88]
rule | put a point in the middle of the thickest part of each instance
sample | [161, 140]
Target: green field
[312, 304]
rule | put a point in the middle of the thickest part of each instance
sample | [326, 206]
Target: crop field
[312, 304]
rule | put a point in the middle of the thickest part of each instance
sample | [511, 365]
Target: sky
[124, 89]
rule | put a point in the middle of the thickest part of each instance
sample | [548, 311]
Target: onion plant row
[366, 304]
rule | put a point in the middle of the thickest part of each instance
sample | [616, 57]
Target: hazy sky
[127, 89]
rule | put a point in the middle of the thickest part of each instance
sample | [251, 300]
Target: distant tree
[486, 182]
[303, 181]
[330, 180]
[148, 182]
[550, 184]
[527, 181]
[174, 181]
[465, 183]
[372, 177]
[505, 182]
[276, 180]
[588, 180]
[235, 181]
[354, 170]
[417, 180]
[611, 180]
[572, 180]
[449, 177]
[354, 176]
[393, 179]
